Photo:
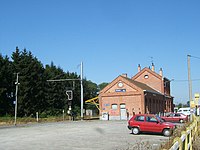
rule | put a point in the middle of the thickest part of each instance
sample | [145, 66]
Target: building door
[123, 112]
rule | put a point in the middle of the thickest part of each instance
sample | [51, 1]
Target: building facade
[146, 92]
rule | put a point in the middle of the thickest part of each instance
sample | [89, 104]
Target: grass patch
[10, 120]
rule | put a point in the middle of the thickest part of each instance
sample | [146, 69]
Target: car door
[167, 117]
[172, 117]
[139, 121]
[152, 124]
[176, 117]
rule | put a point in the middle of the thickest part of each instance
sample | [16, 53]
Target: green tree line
[35, 93]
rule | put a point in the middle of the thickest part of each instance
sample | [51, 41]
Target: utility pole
[81, 90]
[81, 79]
[16, 83]
[189, 78]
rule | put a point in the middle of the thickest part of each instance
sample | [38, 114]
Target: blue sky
[111, 37]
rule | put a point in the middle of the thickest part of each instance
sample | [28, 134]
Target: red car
[175, 117]
[150, 123]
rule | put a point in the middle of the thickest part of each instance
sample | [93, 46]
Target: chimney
[153, 67]
[139, 68]
[161, 72]
[124, 75]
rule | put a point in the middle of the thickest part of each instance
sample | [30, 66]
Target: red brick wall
[152, 81]
[133, 104]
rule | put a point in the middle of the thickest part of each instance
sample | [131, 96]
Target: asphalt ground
[77, 135]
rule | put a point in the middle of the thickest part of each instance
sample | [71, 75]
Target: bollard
[63, 114]
[37, 116]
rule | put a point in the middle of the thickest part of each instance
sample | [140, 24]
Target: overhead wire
[195, 57]
[185, 80]
[188, 80]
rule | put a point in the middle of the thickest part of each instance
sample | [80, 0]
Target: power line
[186, 80]
[60, 80]
[194, 57]
[191, 79]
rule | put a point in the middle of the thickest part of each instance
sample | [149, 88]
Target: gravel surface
[77, 135]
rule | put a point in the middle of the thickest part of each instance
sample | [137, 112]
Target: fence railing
[184, 142]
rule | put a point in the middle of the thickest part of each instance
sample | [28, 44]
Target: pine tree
[30, 95]
[35, 94]
[56, 97]
[6, 86]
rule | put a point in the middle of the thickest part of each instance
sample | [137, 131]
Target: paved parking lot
[77, 135]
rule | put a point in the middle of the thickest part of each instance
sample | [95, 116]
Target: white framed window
[122, 106]
[114, 106]
[146, 76]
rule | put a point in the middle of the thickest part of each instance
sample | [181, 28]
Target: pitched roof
[143, 86]
[149, 70]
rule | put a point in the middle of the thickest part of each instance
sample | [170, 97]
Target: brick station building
[146, 92]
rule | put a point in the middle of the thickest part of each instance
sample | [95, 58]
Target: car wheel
[135, 130]
[167, 132]
[181, 121]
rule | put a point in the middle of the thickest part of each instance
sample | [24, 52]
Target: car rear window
[139, 118]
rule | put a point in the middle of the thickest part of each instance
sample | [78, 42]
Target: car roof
[144, 115]
[184, 108]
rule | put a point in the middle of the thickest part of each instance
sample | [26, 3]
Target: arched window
[114, 106]
[123, 106]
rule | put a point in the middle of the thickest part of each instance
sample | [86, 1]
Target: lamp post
[16, 83]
